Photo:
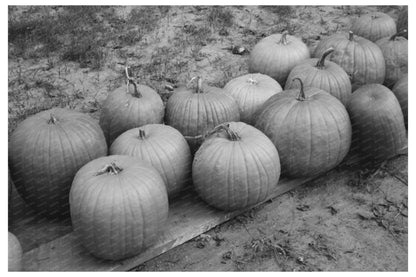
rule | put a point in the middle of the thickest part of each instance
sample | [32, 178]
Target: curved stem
[130, 80]
[301, 95]
[142, 134]
[111, 168]
[321, 62]
[231, 134]
[198, 84]
[52, 119]
[283, 39]
[350, 36]
[399, 34]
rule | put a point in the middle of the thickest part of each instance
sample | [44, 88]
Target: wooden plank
[189, 217]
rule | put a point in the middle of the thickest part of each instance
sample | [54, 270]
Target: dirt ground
[351, 219]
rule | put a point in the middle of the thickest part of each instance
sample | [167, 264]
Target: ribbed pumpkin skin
[164, 148]
[251, 91]
[231, 175]
[377, 123]
[194, 114]
[123, 111]
[360, 58]
[15, 253]
[331, 78]
[44, 157]
[311, 136]
[395, 54]
[118, 215]
[374, 26]
[400, 90]
[275, 59]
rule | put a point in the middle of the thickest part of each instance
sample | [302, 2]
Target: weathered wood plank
[189, 217]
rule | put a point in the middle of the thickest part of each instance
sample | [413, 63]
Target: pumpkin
[119, 205]
[400, 90]
[374, 26]
[251, 91]
[394, 50]
[402, 21]
[15, 253]
[163, 147]
[194, 111]
[377, 122]
[236, 167]
[45, 152]
[327, 76]
[310, 129]
[360, 58]
[276, 55]
[127, 108]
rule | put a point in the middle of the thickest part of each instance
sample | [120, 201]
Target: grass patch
[220, 17]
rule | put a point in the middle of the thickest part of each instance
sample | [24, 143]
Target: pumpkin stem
[301, 95]
[111, 168]
[232, 135]
[252, 81]
[283, 39]
[130, 80]
[52, 119]
[198, 83]
[142, 134]
[321, 63]
[350, 36]
[399, 34]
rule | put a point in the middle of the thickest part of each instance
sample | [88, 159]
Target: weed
[220, 17]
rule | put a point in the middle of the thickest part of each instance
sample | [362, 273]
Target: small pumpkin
[127, 108]
[15, 253]
[251, 91]
[164, 148]
[45, 152]
[310, 129]
[194, 111]
[402, 21]
[322, 74]
[236, 167]
[361, 59]
[394, 50]
[400, 90]
[119, 206]
[374, 26]
[377, 123]
[276, 55]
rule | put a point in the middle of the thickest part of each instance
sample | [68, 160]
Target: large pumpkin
[237, 166]
[15, 253]
[45, 152]
[251, 91]
[377, 122]
[276, 55]
[374, 26]
[119, 206]
[400, 89]
[310, 128]
[360, 58]
[394, 50]
[322, 74]
[128, 107]
[163, 147]
[196, 111]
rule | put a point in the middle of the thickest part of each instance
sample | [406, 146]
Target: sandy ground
[350, 219]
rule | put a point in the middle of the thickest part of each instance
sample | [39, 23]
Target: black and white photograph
[207, 138]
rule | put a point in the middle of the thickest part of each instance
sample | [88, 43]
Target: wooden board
[189, 217]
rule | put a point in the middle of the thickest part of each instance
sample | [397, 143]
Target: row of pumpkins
[230, 143]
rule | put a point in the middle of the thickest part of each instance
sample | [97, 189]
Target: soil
[350, 219]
